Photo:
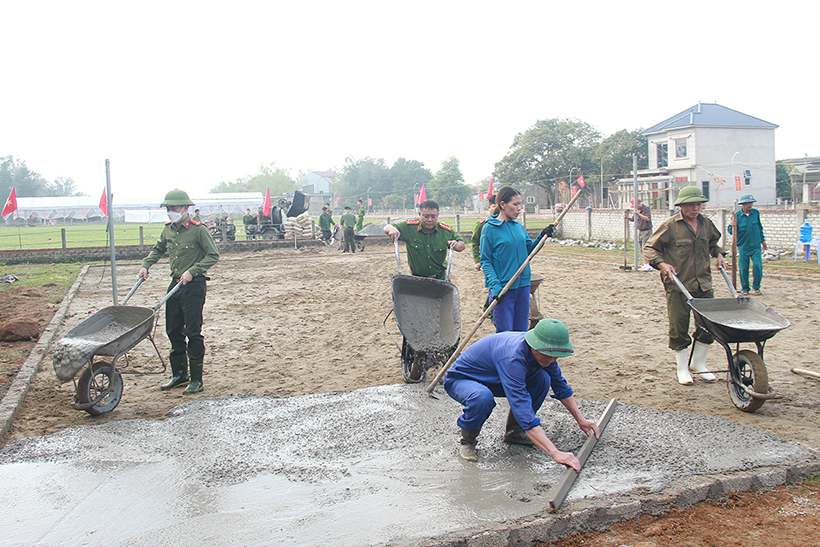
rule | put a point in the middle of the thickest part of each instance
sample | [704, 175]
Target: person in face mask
[192, 252]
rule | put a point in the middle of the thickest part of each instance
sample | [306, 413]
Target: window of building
[680, 148]
[705, 186]
[747, 177]
[663, 157]
[530, 199]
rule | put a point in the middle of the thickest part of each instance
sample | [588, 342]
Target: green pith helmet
[746, 198]
[175, 198]
[690, 194]
[550, 337]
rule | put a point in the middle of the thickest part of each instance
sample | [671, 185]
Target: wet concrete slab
[377, 466]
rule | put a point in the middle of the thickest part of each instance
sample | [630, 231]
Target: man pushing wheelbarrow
[428, 243]
[192, 252]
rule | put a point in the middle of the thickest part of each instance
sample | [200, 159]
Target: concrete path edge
[599, 515]
[13, 400]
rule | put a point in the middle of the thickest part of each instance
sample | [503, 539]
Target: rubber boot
[682, 358]
[699, 362]
[514, 434]
[469, 438]
[179, 372]
[196, 377]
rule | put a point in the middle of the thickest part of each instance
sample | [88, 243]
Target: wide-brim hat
[550, 337]
[746, 198]
[690, 194]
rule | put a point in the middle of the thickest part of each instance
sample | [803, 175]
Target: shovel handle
[167, 296]
[139, 282]
[449, 264]
[398, 257]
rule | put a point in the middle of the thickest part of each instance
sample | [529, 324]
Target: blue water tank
[805, 232]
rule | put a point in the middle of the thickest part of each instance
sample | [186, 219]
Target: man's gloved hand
[548, 231]
[499, 299]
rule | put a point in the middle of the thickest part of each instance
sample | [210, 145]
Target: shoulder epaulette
[195, 222]
[413, 222]
[483, 220]
[445, 226]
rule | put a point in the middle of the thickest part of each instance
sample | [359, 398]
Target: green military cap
[690, 194]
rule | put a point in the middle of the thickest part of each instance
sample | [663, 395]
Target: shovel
[626, 235]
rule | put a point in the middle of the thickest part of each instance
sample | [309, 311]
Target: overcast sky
[189, 94]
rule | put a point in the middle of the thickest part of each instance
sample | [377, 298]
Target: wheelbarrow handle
[167, 296]
[139, 282]
[680, 285]
[729, 282]
[398, 257]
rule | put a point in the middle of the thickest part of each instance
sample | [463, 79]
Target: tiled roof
[709, 114]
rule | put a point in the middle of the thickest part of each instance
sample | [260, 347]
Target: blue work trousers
[513, 313]
[743, 258]
[479, 399]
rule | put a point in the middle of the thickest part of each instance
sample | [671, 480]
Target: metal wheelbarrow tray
[110, 332]
[735, 321]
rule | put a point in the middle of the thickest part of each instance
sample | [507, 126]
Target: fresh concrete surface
[377, 466]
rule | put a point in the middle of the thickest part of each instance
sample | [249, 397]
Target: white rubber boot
[699, 362]
[682, 358]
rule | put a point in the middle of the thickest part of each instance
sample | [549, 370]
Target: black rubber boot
[195, 386]
[469, 438]
[179, 371]
[514, 434]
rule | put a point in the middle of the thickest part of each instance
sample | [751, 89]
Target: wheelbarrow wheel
[411, 374]
[750, 371]
[359, 245]
[101, 381]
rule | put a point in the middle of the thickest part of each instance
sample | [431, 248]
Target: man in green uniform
[192, 252]
[750, 242]
[427, 241]
[475, 240]
[682, 245]
[325, 224]
[348, 221]
[361, 216]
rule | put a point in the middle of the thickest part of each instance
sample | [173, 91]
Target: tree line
[15, 174]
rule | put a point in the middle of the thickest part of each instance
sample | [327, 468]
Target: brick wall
[780, 226]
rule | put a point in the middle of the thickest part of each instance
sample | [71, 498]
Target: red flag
[11, 204]
[422, 195]
[266, 208]
[337, 200]
[104, 203]
[490, 189]
[580, 181]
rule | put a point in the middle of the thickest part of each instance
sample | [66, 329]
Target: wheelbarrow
[738, 320]
[358, 239]
[428, 315]
[109, 334]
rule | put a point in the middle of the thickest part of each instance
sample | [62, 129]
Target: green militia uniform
[325, 224]
[361, 218]
[190, 248]
[675, 243]
[426, 253]
[475, 240]
[348, 221]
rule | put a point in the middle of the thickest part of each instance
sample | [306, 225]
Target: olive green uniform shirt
[326, 221]
[675, 243]
[189, 246]
[348, 220]
[475, 240]
[426, 253]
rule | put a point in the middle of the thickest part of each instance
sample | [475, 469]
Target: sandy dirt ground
[292, 322]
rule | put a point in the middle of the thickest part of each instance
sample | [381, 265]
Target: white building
[724, 152]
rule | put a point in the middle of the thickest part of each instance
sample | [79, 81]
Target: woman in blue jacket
[505, 245]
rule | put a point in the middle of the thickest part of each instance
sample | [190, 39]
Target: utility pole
[635, 206]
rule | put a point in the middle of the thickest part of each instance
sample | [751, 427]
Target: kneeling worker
[522, 367]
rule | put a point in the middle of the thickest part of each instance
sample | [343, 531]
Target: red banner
[104, 203]
[11, 204]
[266, 208]
[422, 195]
[737, 183]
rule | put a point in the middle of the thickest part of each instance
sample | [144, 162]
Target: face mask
[174, 216]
